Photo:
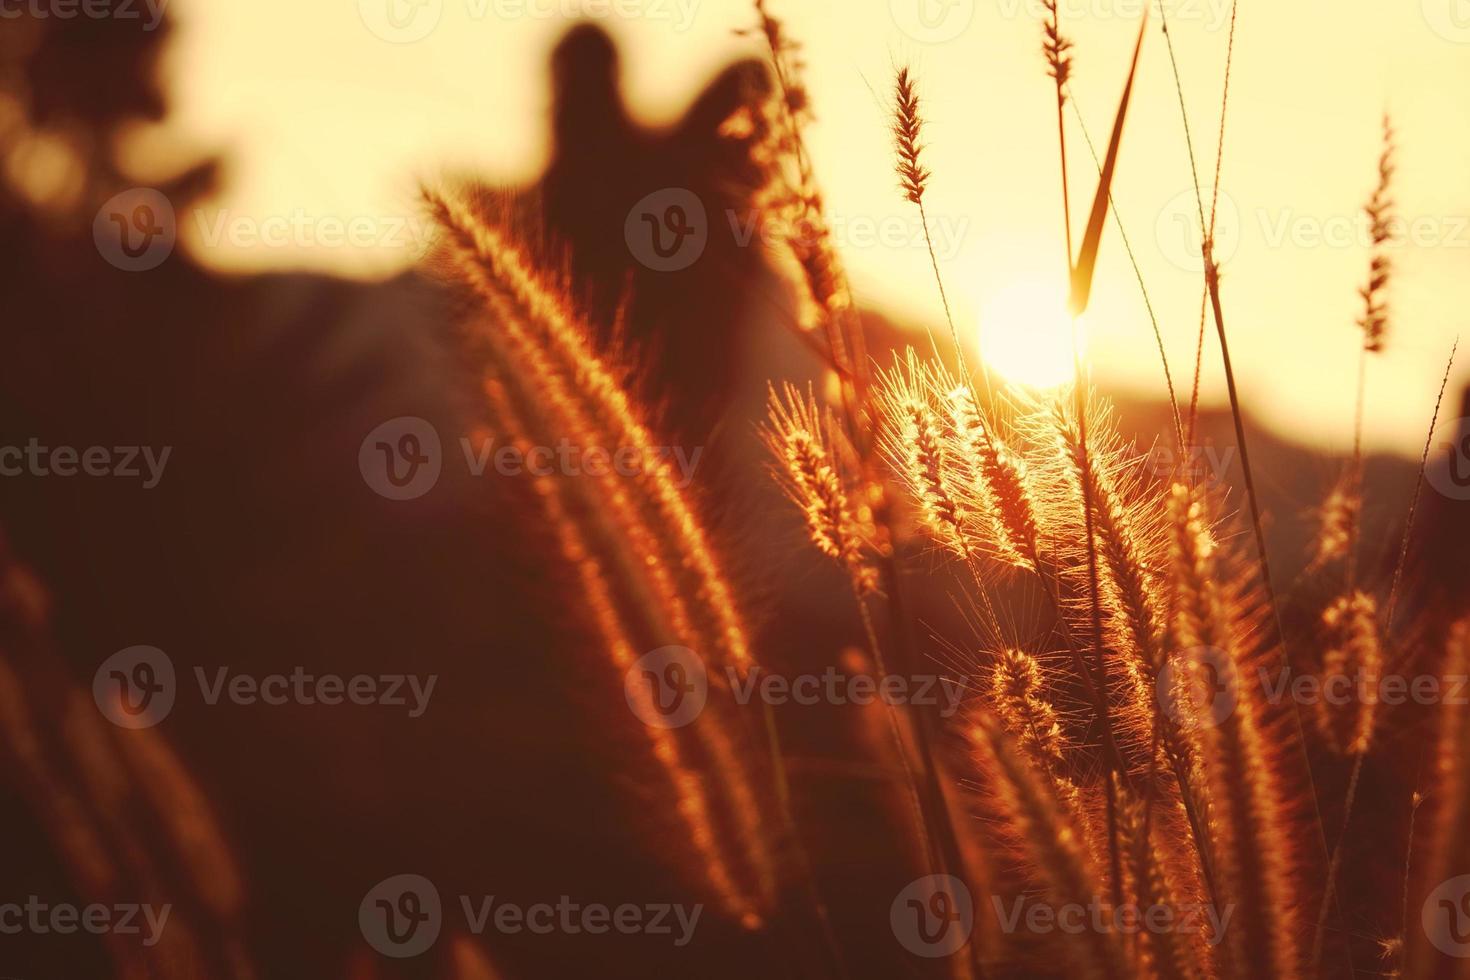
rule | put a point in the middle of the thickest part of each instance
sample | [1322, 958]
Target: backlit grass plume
[1018, 698]
[1131, 598]
[1375, 319]
[1055, 46]
[970, 487]
[907, 124]
[1118, 731]
[1433, 922]
[645, 562]
[1048, 840]
[1216, 653]
[805, 445]
[1352, 671]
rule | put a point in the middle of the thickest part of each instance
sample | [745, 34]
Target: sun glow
[1026, 334]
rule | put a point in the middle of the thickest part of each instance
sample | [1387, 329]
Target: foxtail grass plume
[1337, 516]
[1251, 840]
[801, 438]
[998, 478]
[1375, 319]
[1048, 840]
[644, 558]
[907, 123]
[1017, 697]
[1353, 665]
[1445, 845]
[1131, 597]
[971, 489]
[1056, 47]
[1164, 954]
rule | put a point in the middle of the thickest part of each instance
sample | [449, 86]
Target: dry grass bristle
[1446, 850]
[801, 437]
[585, 393]
[907, 124]
[1214, 650]
[1132, 596]
[1337, 516]
[972, 490]
[643, 558]
[1050, 843]
[1352, 666]
[1056, 46]
[1163, 954]
[997, 478]
[914, 440]
[1375, 319]
[1017, 694]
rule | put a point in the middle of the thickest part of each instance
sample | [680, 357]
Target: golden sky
[331, 110]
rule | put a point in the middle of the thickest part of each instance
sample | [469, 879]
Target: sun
[1026, 334]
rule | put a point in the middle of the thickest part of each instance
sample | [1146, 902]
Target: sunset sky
[329, 110]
